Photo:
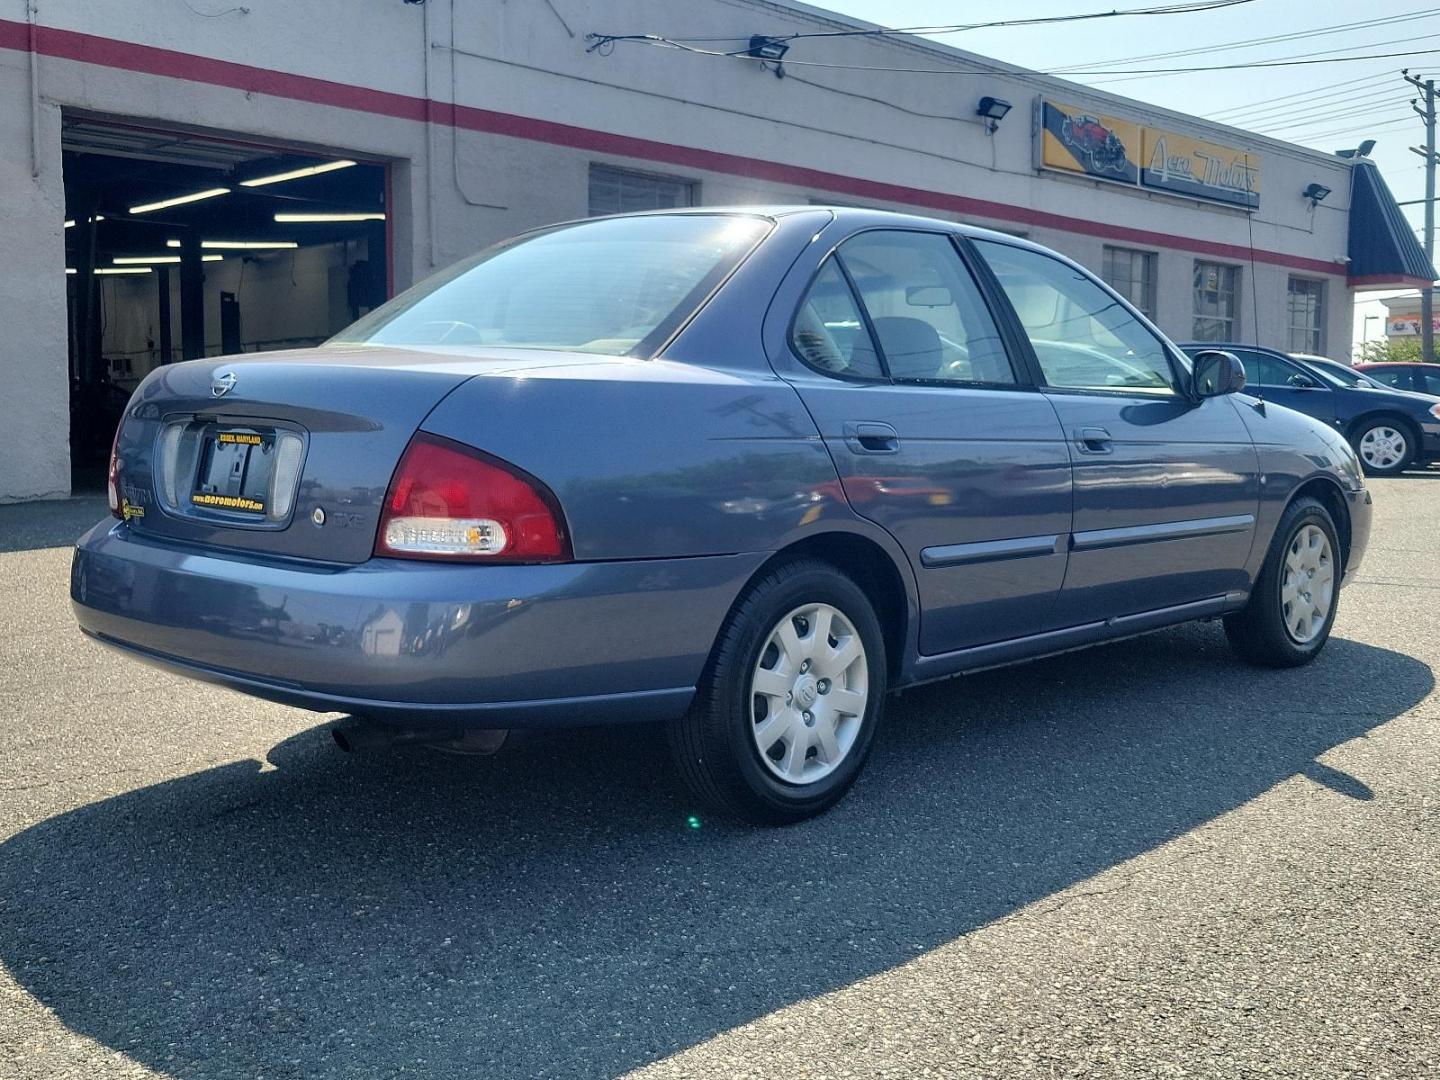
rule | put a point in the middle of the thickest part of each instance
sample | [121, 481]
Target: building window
[1131, 273]
[1307, 315]
[1217, 301]
[619, 191]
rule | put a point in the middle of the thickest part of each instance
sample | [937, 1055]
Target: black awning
[1383, 248]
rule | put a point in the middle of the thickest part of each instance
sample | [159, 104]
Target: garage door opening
[180, 246]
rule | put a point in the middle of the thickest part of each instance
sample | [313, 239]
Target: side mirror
[1216, 372]
[1302, 382]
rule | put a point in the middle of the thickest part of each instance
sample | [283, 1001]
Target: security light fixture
[993, 109]
[1316, 193]
[1361, 151]
[179, 200]
[771, 49]
[296, 174]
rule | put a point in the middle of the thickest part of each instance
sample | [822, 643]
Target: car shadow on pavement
[556, 912]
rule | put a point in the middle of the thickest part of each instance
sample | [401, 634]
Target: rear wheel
[1292, 607]
[1385, 446]
[787, 708]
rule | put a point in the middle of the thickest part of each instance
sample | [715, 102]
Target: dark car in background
[1421, 378]
[743, 472]
[1391, 430]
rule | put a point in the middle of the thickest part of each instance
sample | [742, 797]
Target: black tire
[714, 745]
[1412, 444]
[1258, 631]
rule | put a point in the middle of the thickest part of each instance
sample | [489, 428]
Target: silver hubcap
[1383, 447]
[808, 693]
[1307, 587]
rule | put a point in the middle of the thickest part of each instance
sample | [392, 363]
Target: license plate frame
[234, 471]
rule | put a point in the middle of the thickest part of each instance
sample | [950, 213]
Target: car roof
[844, 215]
[1396, 363]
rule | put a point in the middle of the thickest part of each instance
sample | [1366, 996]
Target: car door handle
[1094, 440]
[871, 437]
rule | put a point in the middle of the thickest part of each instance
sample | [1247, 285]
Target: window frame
[1319, 328]
[1020, 363]
[1180, 388]
[1236, 292]
[1150, 287]
[692, 188]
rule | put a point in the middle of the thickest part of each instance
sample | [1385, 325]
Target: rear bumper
[422, 643]
[1361, 507]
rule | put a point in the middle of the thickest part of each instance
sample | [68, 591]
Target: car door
[934, 435]
[1276, 378]
[1166, 487]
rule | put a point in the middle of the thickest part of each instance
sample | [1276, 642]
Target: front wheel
[1292, 606]
[787, 707]
[1385, 447]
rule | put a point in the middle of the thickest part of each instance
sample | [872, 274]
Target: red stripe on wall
[128, 56]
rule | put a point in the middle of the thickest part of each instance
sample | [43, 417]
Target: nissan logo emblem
[222, 384]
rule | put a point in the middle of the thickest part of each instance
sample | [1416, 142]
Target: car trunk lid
[283, 454]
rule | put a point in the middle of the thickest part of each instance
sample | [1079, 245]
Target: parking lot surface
[1142, 860]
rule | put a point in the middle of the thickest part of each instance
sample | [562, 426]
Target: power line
[601, 40]
[1294, 112]
[1294, 58]
[1301, 120]
[1320, 100]
[1249, 43]
[1333, 88]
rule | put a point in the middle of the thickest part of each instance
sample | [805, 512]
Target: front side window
[928, 314]
[1131, 273]
[1217, 300]
[620, 191]
[1083, 337]
[1262, 369]
[1306, 306]
[618, 286]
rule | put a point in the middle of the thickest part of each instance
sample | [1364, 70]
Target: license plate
[234, 474]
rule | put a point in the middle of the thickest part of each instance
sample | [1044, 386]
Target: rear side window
[929, 316]
[1432, 381]
[1083, 337]
[1396, 377]
[829, 332]
[617, 286]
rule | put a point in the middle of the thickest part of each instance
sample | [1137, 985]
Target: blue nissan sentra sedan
[741, 471]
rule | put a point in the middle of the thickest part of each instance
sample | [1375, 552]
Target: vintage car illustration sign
[1077, 140]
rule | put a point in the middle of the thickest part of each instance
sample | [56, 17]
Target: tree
[1389, 351]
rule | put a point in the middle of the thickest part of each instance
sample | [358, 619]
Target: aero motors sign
[1103, 147]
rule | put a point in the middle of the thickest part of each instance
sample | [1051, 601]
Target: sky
[1336, 104]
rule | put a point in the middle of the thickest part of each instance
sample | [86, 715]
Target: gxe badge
[222, 384]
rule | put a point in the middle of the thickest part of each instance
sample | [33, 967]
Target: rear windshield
[618, 286]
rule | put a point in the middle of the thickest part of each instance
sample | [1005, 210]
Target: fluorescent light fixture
[297, 174]
[300, 218]
[241, 245]
[179, 200]
[70, 224]
[71, 270]
[123, 270]
[156, 260]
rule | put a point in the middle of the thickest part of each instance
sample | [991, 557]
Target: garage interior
[181, 245]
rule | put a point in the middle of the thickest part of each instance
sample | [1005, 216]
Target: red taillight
[112, 478]
[448, 501]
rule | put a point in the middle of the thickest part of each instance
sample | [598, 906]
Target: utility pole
[1427, 294]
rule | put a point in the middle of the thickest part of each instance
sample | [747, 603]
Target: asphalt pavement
[1141, 860]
